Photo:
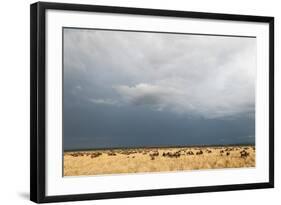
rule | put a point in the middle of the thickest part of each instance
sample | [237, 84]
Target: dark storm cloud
[209, 75]
[105, 126]
[188, 79]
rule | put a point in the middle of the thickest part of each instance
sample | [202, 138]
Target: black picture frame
[38, 100]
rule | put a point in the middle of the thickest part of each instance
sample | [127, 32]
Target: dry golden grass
[157, 160]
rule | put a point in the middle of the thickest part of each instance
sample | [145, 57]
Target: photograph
[150, 101]
[140, 101]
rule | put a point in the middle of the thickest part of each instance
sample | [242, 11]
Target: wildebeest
[154, 154]
[128, 152]
[78, 154]
[229, 149]
[171, 155]
[177, 154]
[200, 152]
[189, 153]
[95, 154]
[244, 154]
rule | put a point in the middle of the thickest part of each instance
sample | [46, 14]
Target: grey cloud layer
[208, 76]
[126, 89]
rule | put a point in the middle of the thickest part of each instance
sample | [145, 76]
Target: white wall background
[14, 100]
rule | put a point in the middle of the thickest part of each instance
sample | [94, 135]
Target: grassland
[116, 161]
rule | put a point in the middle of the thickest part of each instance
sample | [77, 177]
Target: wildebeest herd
[176, 154]
[156, 159]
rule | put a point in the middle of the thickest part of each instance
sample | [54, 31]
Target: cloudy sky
[124, 89]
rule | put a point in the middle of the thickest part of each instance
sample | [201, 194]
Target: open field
[117, 161]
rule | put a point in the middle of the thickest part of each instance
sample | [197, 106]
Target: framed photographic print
[129, 102]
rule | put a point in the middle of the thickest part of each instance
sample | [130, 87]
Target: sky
[145, 89]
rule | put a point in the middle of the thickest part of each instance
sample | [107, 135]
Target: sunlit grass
[157, 160]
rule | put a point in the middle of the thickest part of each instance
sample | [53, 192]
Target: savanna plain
[138, 160]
